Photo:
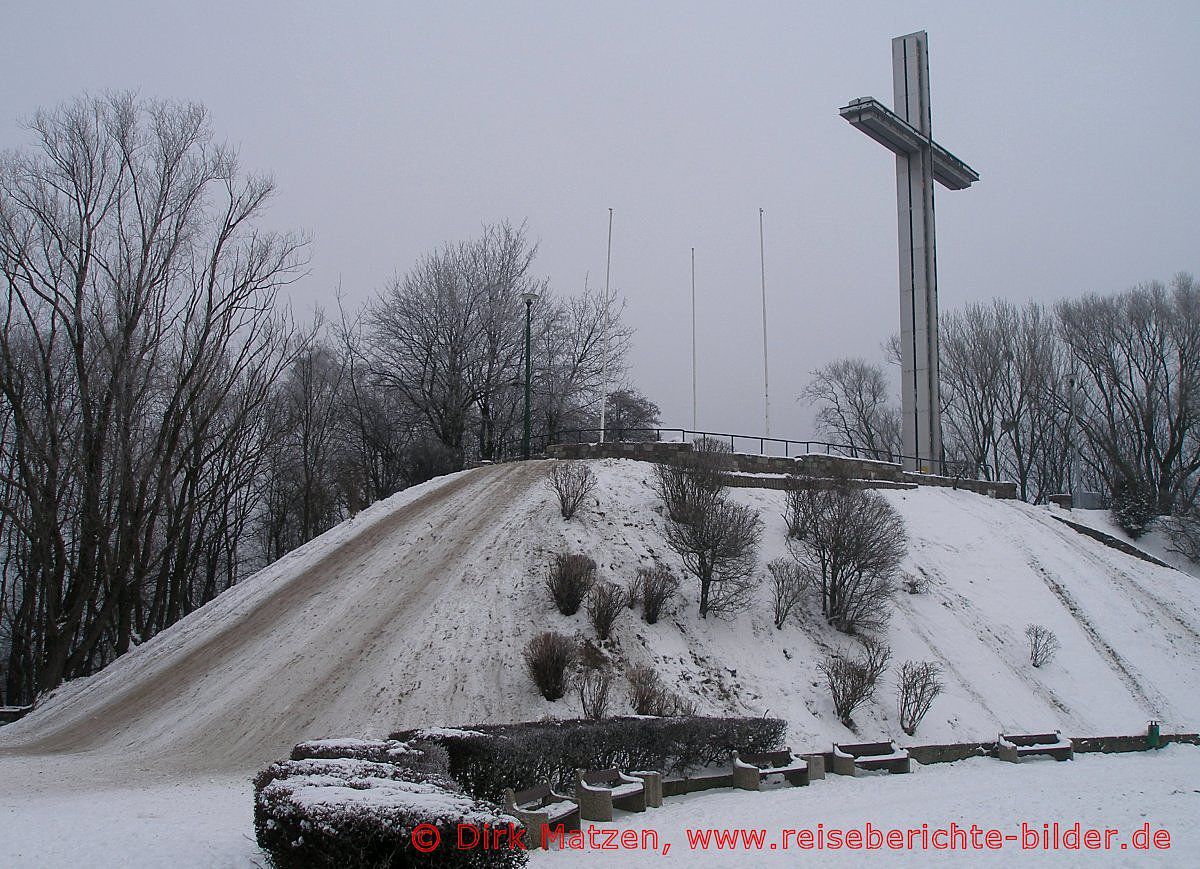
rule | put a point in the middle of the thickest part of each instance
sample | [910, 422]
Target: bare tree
[630, 415]
[852, 678]
[788, 582]
[851, 397]
[920, 684]
[140, 339]
[853, 542]
[719, 546]
[572, 482]
[1183, 534]
[1043, 644]
[1140, 404]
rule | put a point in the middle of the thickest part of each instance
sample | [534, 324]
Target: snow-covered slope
[415, 613]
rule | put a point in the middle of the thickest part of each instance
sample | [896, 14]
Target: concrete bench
[540, 807]
[1014, 746]
[598, 792]
[848, 759]
[750, 770]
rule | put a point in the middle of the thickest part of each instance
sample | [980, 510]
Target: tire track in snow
[917, 627]
[177, 674]
[1138, 593]
[1157, 705]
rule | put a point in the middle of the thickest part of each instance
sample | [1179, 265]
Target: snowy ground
[52, 815]
[1153, 542]
[1113, 791]
[414, 613]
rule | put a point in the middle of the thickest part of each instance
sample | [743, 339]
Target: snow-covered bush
[548, 657]
[658, 585]
[788, 582]
[920, 683]
[572, 482]
[356, 813]
[917, 583]
[488, 758]
[604, 604]
[594, 685]
[1043, 644]
[571, 578]
[1133, 507]
[852, 679]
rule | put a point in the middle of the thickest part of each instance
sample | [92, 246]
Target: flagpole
[762, 265]
[693, 339]
[607, 325]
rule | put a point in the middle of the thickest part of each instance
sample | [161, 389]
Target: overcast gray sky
[391, 127]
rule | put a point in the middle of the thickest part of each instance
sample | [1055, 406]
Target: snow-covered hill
[416, 611]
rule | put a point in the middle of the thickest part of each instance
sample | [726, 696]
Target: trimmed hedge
[489, 758]
[427, 756]
[350, 812]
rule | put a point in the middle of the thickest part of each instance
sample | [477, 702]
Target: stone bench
[1014, 746]
[598, 792]
[750, 770]
[540, 807]
[848, 759]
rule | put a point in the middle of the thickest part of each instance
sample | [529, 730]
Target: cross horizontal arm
[894, 133]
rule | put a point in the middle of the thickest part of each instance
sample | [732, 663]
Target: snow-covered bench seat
[1014, 746]
[848, 758]
[599, 791]
[750, 770]
[540, 807]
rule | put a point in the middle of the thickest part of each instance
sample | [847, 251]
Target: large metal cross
[919, 162]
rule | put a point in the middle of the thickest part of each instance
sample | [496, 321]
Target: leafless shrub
[705, 444]
[594, 685]
[603, 606]
[1183, 534]
[649, 696]
[853, 542]
[719, 546]
[1043, 644]
[634, 590]
[788, 581]
[548, 658]
[852, 680]
[572, 482]
[658, 585]
[920, 683]
[571, 578]
[917, 583]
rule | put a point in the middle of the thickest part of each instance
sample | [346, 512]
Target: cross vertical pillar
[921, 416]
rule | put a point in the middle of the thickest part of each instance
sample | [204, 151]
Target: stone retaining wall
[869, 473]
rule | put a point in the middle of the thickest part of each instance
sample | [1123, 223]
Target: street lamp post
[529, 300]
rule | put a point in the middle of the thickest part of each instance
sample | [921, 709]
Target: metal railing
[741, 443]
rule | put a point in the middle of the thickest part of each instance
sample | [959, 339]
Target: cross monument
[919, 162]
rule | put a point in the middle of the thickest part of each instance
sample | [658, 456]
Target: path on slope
[310, 646]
